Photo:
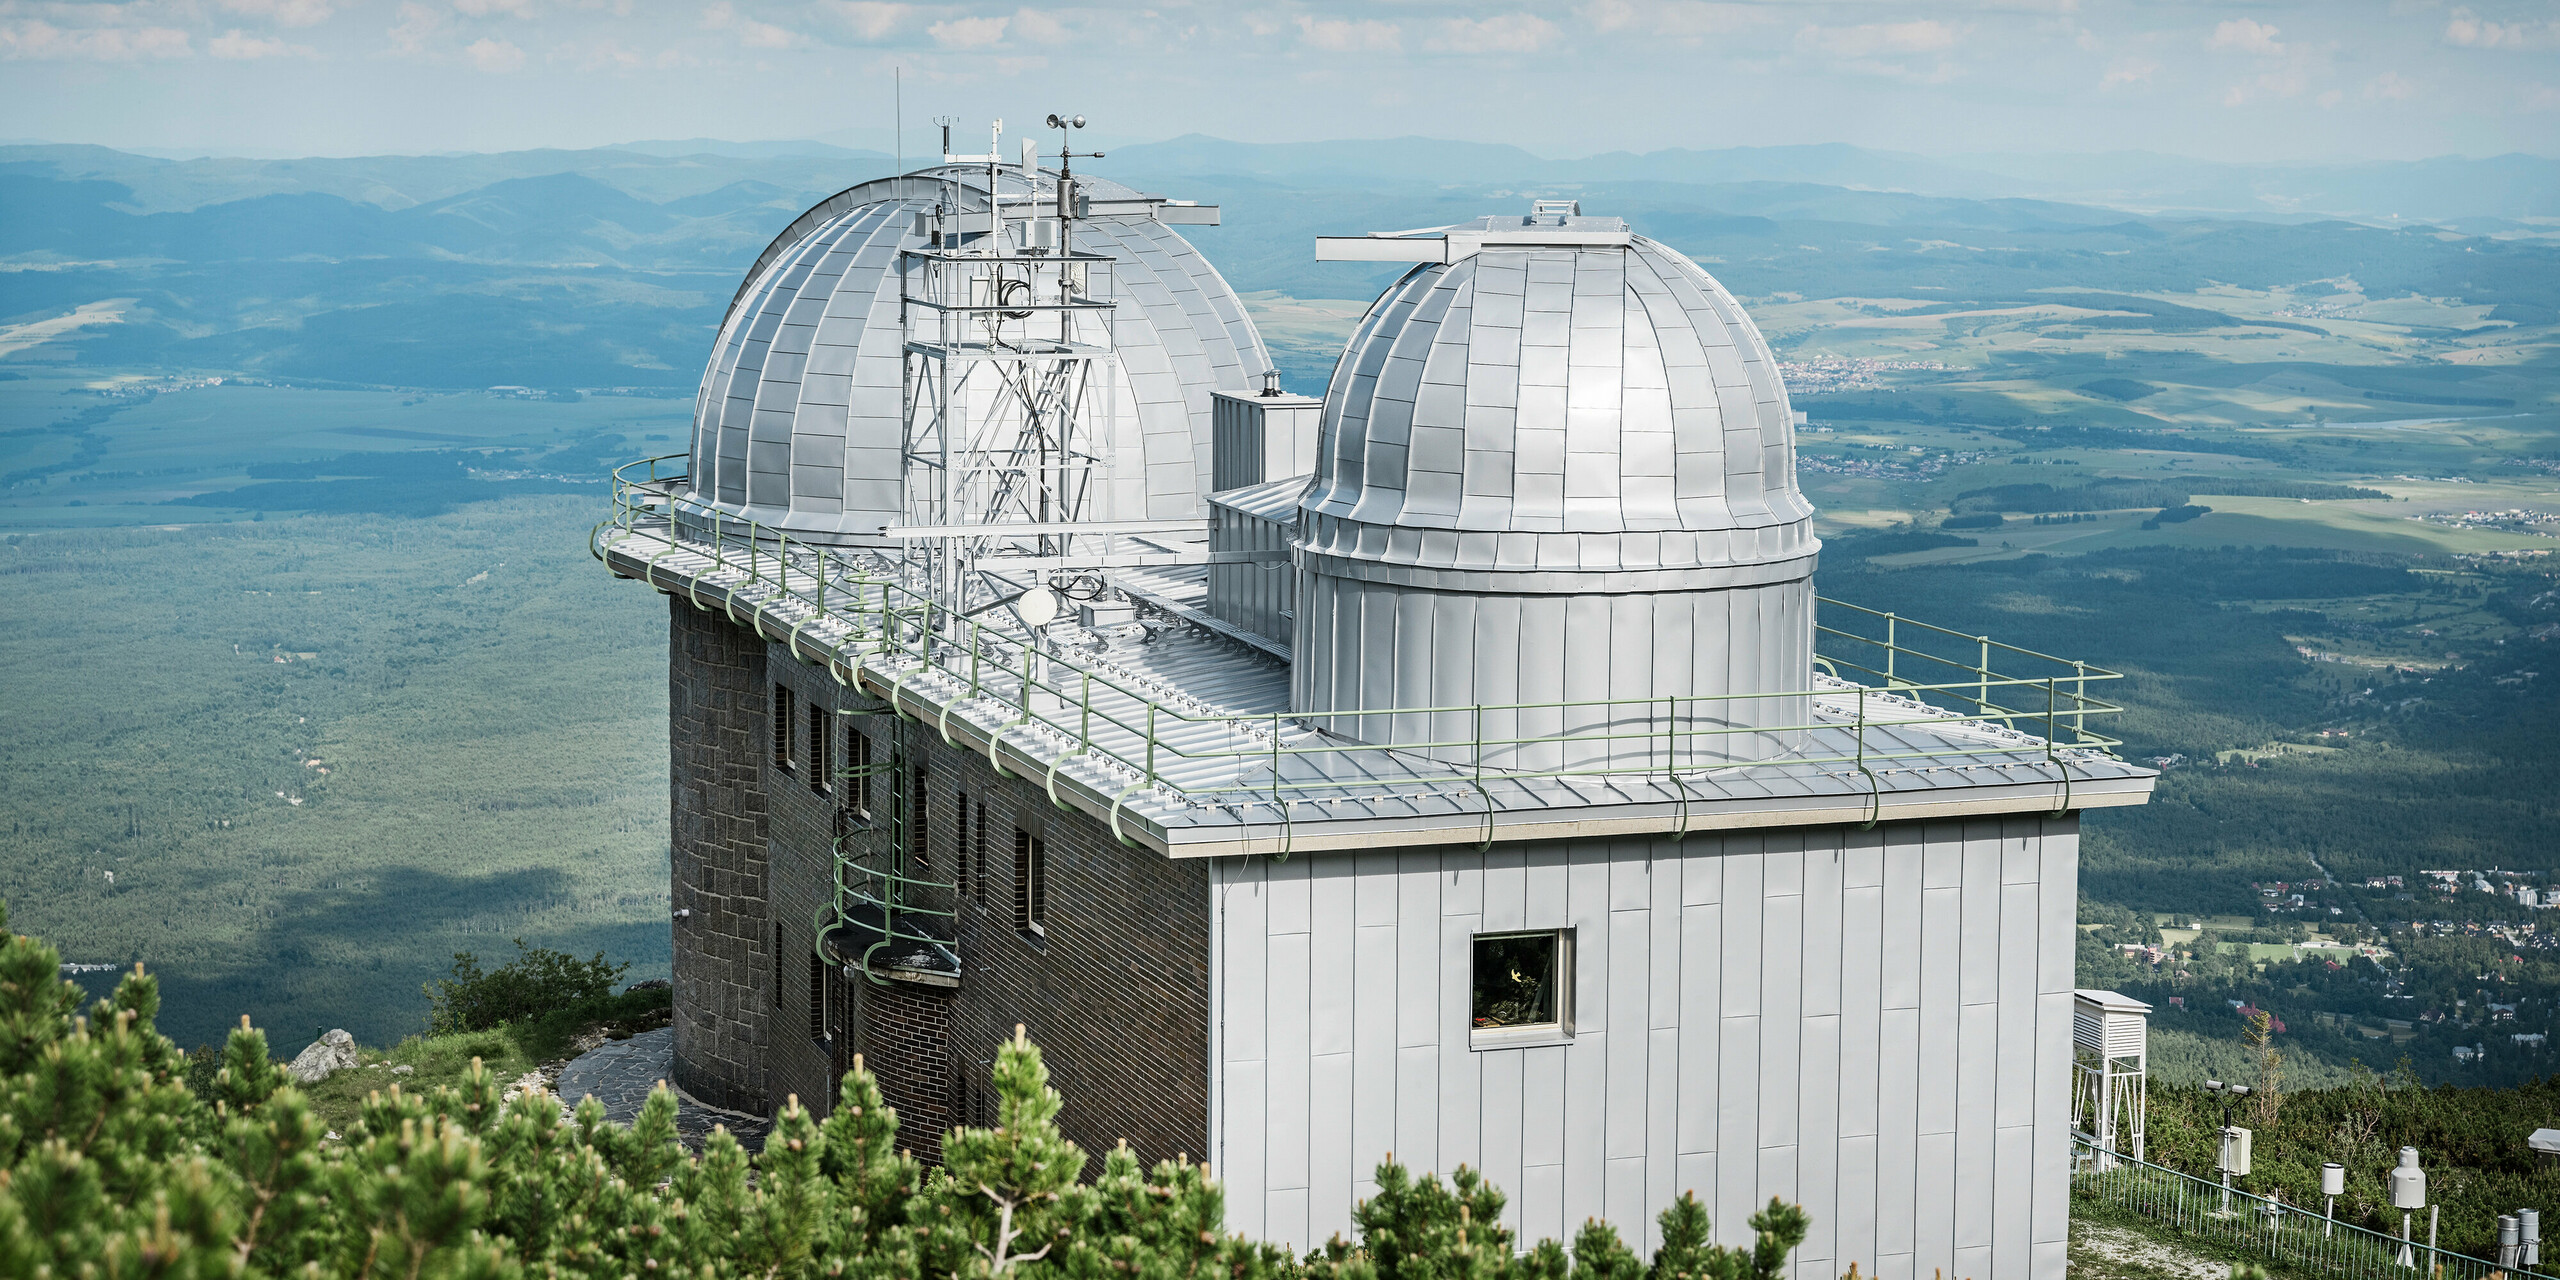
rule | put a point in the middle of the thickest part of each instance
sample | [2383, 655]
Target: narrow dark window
[1523, 987]
[821, 777]
[777, 964]
[782, 726]
[919, 825]
[817, 997]
[978, 854]
[1030, 893]
[960, 858]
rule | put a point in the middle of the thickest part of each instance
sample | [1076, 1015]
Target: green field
[320, 754]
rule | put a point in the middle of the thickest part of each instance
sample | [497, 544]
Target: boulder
[335, 1051]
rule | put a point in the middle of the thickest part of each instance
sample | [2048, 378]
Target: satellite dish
[1037, 607]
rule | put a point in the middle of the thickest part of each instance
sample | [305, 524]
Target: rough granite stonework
[717, 851]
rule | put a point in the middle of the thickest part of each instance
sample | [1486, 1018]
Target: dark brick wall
[716, 748]
[1116, 994]
[906, 1041]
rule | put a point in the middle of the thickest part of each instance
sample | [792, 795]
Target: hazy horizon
[2273, 82]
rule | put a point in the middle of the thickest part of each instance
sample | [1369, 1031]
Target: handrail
[1137, 729]
[2292, 1234]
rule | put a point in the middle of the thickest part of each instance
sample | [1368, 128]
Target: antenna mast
[1012, 404]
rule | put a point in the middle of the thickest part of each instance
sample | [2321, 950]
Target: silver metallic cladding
[1553, 474]
[800, 420]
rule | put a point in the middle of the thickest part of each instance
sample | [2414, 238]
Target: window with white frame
[1522, 988]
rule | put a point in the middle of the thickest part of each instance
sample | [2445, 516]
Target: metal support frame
[2113, 1093]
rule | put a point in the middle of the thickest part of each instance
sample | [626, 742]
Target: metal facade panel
[1243, 1160]
[1463, 1117]
[1934, 1216]
[2020, 924]
[1701, 1019]
[1334, 1171]
[1898, 1133]
[2012, 1201]
[1373, 1045]
[1740, 1048]
[1287, 1115]
[1505, 1119]
[1780, 963]
[1941, 939]
[1629, 1064]
[1738, 1112]
[1977, 1078]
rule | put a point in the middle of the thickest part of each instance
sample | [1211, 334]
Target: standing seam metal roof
[1560, 409]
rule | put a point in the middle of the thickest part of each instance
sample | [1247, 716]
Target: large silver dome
[800, 419]
[1557, 467]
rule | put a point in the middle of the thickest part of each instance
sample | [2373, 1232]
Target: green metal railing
[873, 862]
[902, 634]
[2290, 1234]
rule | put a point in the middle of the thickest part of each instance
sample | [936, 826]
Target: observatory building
[1459, 765]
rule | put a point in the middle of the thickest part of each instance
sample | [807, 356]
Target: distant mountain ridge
[610, 267]
[2514, 187]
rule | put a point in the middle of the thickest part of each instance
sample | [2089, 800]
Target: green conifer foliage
[111, 1167]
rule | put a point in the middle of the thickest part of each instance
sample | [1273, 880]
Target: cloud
[2471, 31]
[968, 33]
[2245, 35]
[1502, 33]
[1039, 27]
[1871, 39]
[2543, 98]
[1679, 19]
[495, 55]
[1347, 35]
[248, 48]
[870, 19]
[2129, 71]
[43, 40]
[484, 8]
[2391, 86]
[751, 33]
[417, 23]
[283, 13]
[2331, 98]
[2282, 82]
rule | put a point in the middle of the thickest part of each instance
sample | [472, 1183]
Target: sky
[2272, 81]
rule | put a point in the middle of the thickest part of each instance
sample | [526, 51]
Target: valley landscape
[299, 458]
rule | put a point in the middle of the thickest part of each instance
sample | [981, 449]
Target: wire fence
[2303, 1239]
[1896, 674]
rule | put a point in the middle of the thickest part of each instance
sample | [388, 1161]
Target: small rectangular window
[1030, 890]
[782, 726]
[777, 964]
[1523, 989]
[821, 778]
[920, 824]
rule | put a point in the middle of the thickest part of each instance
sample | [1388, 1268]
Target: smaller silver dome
[1555, 481]
[1560, 408]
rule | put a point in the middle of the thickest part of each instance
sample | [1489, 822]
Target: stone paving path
[620, 1074]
